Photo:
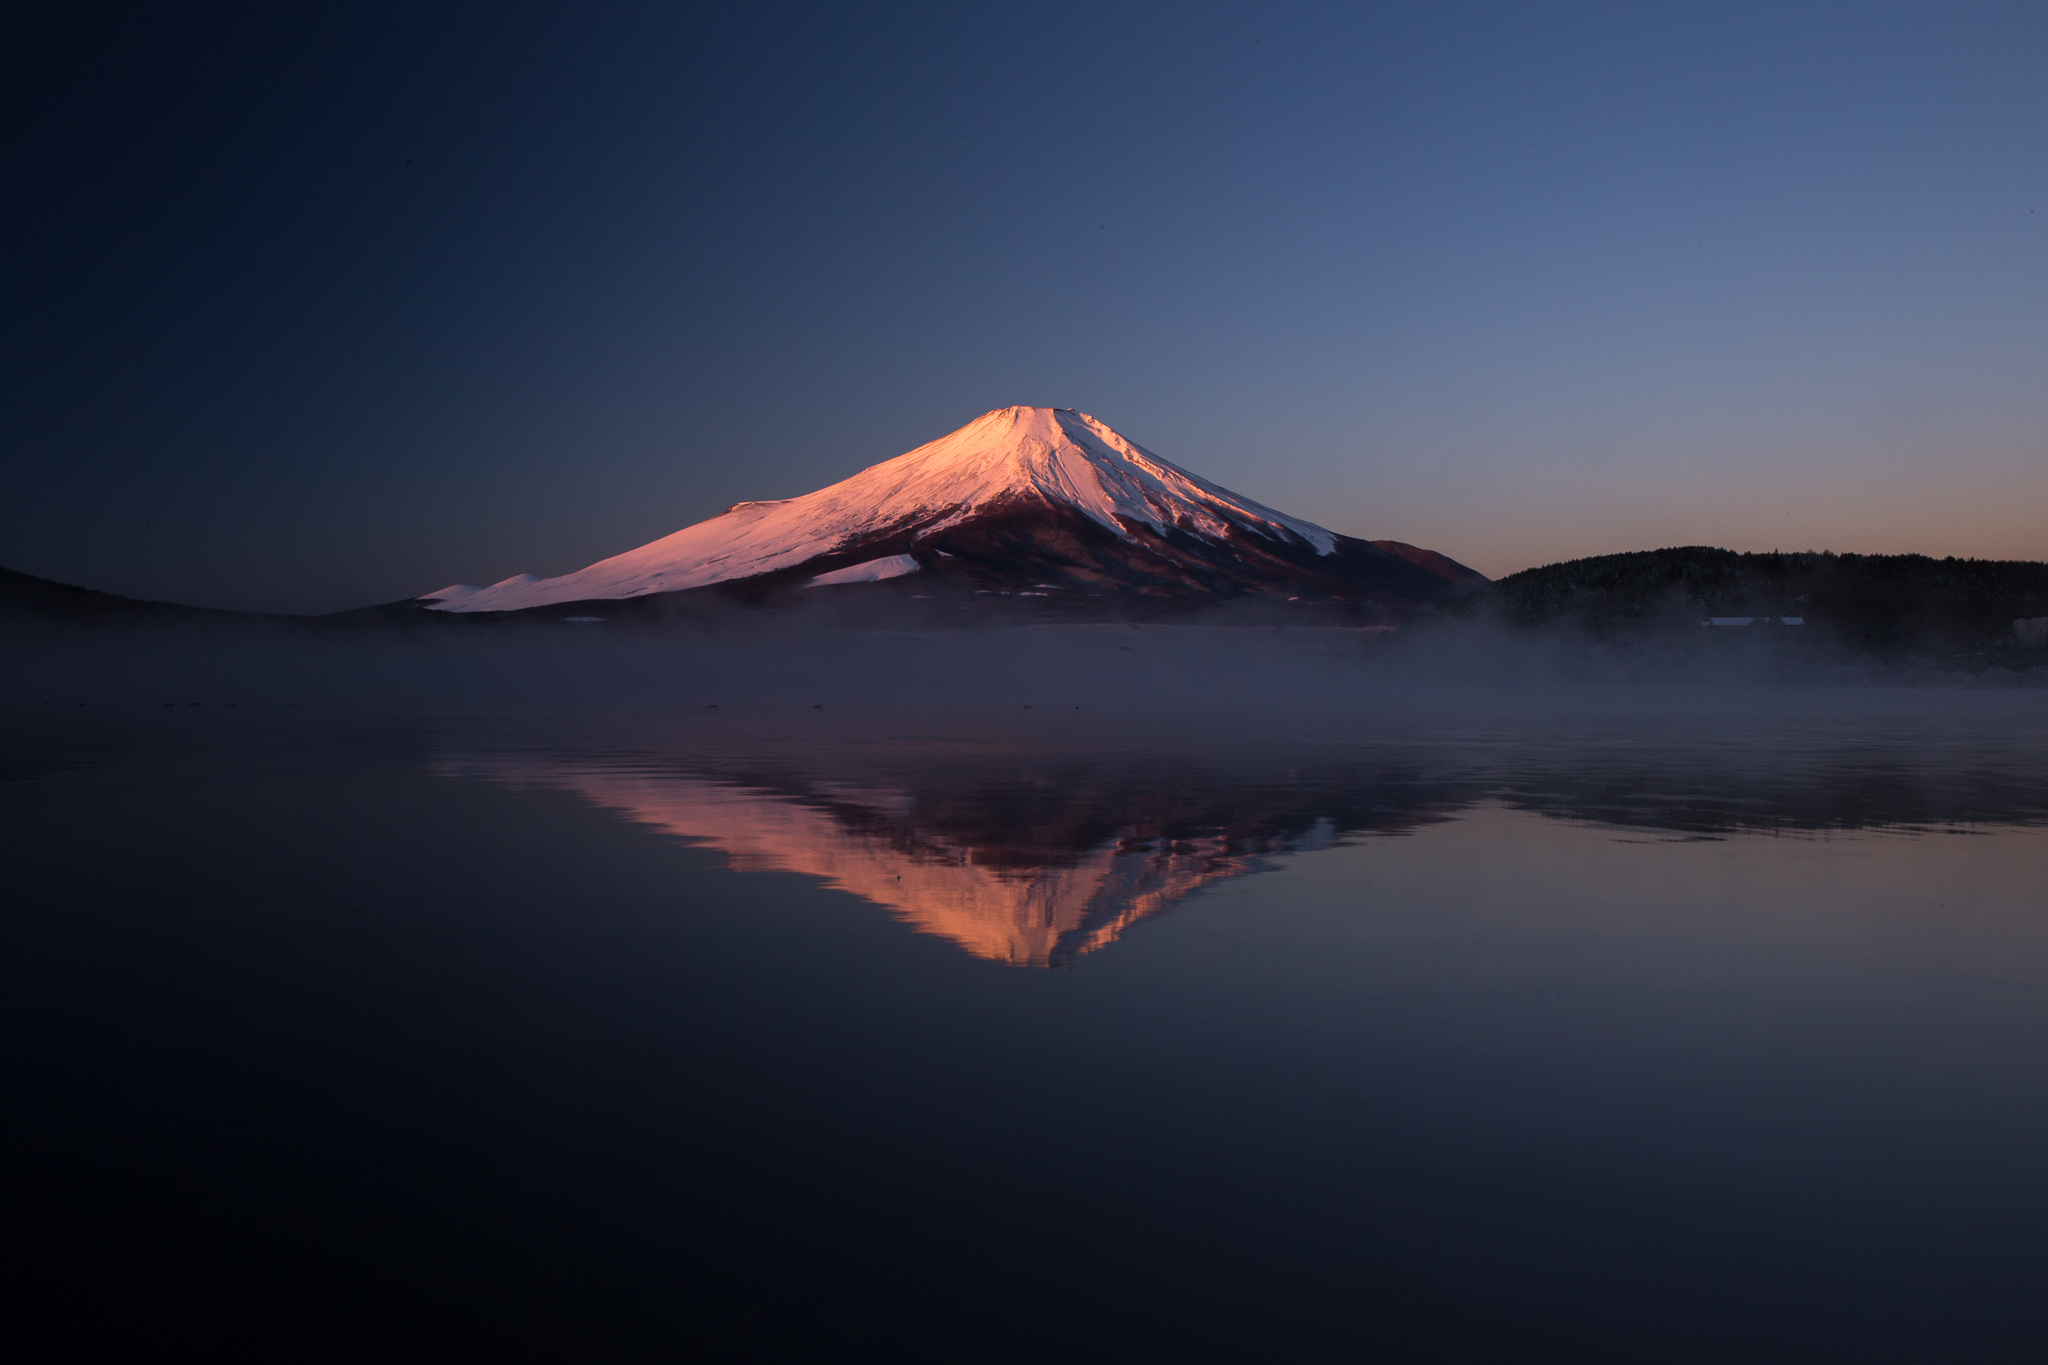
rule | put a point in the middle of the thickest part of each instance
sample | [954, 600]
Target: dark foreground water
[1632, 1035]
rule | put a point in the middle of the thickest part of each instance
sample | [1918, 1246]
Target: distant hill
[26, 600]
[1878, 604]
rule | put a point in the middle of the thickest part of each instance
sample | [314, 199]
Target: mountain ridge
[1016, 497]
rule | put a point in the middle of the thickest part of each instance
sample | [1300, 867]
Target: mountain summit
[1040, 500]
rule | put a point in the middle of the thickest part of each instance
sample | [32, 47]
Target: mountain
[1031, 502]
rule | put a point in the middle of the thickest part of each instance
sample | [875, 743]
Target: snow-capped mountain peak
[1053, 457]
[1069, 458]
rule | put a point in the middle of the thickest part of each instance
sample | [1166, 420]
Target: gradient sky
[308, 309]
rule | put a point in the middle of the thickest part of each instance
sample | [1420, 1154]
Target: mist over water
[1070, 993]
[1239, 661]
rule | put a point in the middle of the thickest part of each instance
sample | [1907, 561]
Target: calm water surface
[785, 1035]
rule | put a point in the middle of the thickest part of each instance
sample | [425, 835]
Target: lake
[1645, 1025]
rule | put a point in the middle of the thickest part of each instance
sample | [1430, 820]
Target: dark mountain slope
[26, 600]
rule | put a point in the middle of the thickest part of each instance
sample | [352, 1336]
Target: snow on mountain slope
[1057, 455]
[873, 571]
[457, 592]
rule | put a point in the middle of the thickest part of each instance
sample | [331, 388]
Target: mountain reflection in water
[1033, 871]
[1034, 856]
[1619, 1026]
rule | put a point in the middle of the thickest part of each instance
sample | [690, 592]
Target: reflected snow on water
[1037, 850]
[732, 1033]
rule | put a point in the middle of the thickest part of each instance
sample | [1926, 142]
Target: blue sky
[317, 309]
